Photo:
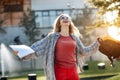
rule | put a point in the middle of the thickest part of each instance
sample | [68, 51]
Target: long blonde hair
[72, 28]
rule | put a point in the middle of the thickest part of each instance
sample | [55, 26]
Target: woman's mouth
[65, 21]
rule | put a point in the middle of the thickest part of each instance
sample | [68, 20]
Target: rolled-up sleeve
[40, 46]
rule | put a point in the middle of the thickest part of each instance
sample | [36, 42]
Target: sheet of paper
[23, 50]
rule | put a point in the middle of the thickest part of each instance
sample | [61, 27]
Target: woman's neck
[64, 31]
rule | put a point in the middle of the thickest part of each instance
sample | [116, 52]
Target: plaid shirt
[46, 47]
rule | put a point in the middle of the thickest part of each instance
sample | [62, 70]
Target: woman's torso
[65, 50]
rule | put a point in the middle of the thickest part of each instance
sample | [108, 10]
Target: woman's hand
[15, 53]
[32, 55]
[100, 40]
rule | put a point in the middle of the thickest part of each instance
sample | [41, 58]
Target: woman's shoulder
[74, 36]
[52, 34]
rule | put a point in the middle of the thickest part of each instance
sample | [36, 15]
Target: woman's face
[64, 20]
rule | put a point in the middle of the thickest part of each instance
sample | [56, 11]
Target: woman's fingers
[15, 53]
[29, 56]
[100, 40]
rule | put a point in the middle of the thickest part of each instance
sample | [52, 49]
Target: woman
[62, 50]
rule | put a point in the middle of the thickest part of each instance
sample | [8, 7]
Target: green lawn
[25, 78]
[40, 75]
[94, 71]
[91, 72]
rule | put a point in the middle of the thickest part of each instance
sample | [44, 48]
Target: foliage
[1, 28]
[28, 21]
[104, 6]
[82, 20]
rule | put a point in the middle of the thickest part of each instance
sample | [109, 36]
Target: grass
[25, 78]
[40, 75]
[94, 71]
[91, 72]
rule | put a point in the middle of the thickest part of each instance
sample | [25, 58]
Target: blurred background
[26, 21]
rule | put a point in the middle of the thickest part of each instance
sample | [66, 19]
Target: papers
[23, 50]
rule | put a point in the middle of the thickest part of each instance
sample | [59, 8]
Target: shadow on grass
[97, 77]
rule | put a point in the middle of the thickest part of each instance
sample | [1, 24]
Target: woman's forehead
[65, 15]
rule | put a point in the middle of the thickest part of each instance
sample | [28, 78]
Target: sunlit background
[111, 16]
[26, 21]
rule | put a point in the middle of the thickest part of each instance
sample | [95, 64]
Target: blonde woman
[62, 50]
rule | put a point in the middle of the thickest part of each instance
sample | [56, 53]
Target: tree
[1, 28]
[28, 21]
[103, 7]
[85, 18]
[82, 21]
[1, 22]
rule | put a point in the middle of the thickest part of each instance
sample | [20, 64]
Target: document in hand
[23, 50]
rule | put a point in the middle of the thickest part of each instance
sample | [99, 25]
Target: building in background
[47, 11]
[11, 11]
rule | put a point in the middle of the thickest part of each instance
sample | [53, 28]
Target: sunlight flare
[110, 16]
[114, 32]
